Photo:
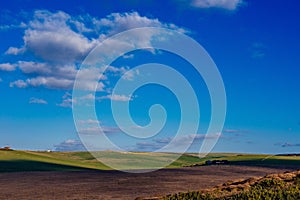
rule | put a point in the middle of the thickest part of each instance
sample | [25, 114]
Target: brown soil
[119, 185]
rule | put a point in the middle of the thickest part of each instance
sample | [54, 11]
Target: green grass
[268, 188]
[47, 161]
[12, 161]
[254, 159]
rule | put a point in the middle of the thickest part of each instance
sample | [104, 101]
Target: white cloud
[18, 83]
[130, 74]
[51, 38]
[12, 26]
[118, 22]
[88, 97]
[128, 56]
[50, 82]
[224, 4]
[33, 67]
[89, 121]
[96, 130]
[177, 143]
[7, 67]
[60, 41]
[14, 51]
[54, 77]
[67, 101]
[34, 100]
[116, 97]
[70, 145]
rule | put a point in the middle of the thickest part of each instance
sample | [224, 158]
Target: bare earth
[119, 185]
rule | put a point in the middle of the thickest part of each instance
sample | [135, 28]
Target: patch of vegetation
[281, 187]
[252, 160]
[53, 161]
[16, 161]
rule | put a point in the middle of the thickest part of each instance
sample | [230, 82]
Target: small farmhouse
[7, 148]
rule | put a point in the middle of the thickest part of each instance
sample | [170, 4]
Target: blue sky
[255, 45]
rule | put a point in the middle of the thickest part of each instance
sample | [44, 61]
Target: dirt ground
[119, 185]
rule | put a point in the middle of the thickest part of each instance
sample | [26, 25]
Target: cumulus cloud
[57, 43]
[33, 67]
[224, 4]
[48, 82]
[70, 145]
[118, 22]
[49, 36]
[34, 100]
[7, 67]
[55, 77]
[18, 83]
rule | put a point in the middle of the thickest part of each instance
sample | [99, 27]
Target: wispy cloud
[97, 130]
[177, 143]
[287, 144]
[116, 97]
[70, 145]
[12, 26]
[224, 4]
[128, 56]
[129, 75]
[257, 50]
[89, 121]
[67, 101]
[34, 100]
[94, 126]
[231, 131]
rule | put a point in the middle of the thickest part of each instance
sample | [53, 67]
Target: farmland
[78, 175]
[14, 161]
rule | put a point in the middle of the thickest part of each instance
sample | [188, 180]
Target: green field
[284, 186]
[13, 161]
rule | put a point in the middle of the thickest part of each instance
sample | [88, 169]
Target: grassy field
[275, 186]
[13, 161]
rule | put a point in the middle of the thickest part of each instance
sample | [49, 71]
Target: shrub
[267, 189]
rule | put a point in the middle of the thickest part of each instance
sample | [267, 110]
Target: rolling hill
[14, 161]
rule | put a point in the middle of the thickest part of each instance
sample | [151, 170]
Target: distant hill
[13, 161]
